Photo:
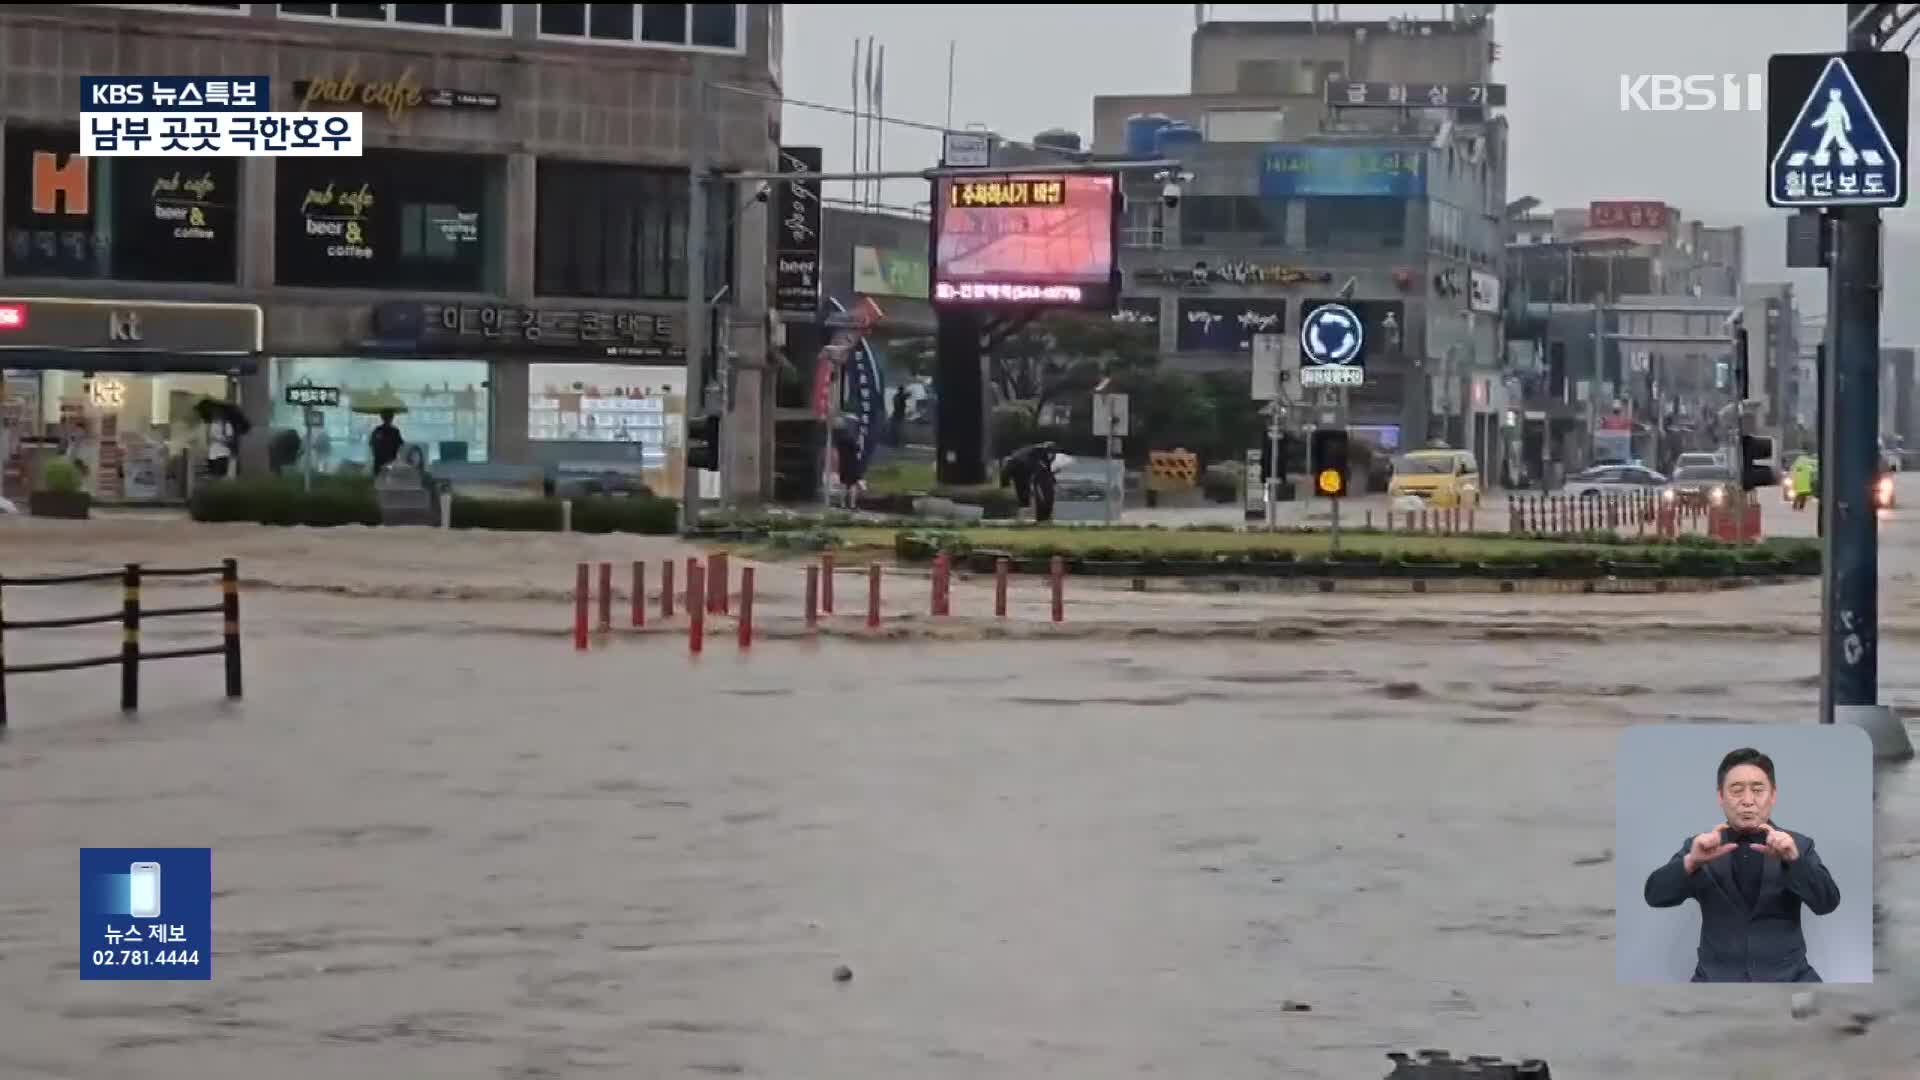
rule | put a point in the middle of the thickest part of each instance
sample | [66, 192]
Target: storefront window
[135, 219]
[447, 407]
[598, 416]
[391, 219]
[127, 433]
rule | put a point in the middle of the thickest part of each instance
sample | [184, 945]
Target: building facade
[506, 262]
[1304, 188]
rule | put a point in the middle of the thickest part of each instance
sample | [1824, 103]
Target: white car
[1613, 480]
[1699, 460]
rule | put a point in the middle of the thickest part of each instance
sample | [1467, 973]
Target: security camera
[1170, 186]
[763, 194]
[1735, 319]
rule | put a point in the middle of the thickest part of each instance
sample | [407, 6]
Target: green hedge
[337, 500]
[1779, 557]
[282, 500]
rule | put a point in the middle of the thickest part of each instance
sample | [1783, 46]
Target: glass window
[610, 22]
[664, 23]
[705, 26]
[1356, 223]
[132, 219]
[487, 18]
[391, 219]
[1232, 221]
[620, 232]
[448, 407]
[563, 20]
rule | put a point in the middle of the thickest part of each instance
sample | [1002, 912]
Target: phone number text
[145, 957]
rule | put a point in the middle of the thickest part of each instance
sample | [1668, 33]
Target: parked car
[1614, 480]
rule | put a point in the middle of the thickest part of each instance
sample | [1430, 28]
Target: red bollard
[1058, 571]
[1000, 588]
[826, 582]
[666, 589]
[873, 596]
[580, 608]
[606, 597]
[696, 612]
[696, 591]
[746, 607]
[639, 594]
[813, 597]
[717, 584]
[939, 604]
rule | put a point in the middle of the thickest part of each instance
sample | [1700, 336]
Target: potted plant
[60, 493]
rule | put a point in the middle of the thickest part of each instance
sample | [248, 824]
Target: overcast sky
[1024, 68]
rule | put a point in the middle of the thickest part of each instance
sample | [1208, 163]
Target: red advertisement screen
[1025, 239]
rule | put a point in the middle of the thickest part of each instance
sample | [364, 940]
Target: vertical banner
[796, 278]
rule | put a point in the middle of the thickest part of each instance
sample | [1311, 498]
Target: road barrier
[1644, 512]
[708, 593]
[1436, 521]
[130, 616]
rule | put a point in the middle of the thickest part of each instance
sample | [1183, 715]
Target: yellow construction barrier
[1172, 470]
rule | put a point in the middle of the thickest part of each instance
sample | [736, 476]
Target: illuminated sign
[1040, 240]
[1008, 193]
[1319, 170]
[13, 316]
[988, 292]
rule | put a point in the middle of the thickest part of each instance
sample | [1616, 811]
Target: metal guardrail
[130, 616]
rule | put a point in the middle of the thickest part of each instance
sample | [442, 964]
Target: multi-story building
[507, 261]
[1330, 158]
[1619, 325]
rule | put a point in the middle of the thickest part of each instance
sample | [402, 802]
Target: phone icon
[143, 890]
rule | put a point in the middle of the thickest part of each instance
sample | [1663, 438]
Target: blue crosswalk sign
[1836, 153]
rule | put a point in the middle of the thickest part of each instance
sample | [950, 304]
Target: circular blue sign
[1332, 334]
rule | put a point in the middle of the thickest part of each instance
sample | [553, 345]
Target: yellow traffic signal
[1332, 483]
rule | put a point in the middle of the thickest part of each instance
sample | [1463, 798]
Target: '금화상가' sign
[204, 116]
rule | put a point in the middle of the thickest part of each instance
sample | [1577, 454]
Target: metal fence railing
[130, 617]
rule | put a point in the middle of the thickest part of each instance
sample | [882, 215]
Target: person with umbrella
[385, 442]
[1030, 470]
[226, 426]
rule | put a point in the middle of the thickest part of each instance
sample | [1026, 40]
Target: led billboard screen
[1025, 240]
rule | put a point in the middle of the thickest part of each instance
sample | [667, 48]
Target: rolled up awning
[129, 361]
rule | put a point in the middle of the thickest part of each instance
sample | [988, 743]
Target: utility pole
[1850, 610]
[696, 319]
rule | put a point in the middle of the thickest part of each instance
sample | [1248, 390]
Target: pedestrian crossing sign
[1835, 151]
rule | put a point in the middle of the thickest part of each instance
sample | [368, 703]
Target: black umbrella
[213, 410]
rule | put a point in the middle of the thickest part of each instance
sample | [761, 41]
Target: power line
[841, 110]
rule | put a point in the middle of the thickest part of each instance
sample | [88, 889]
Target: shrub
[60, 476]
[650, 515]
[1222, 481]
[512, 515]
[285, 501]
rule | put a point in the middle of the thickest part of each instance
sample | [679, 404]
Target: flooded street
[446, 845]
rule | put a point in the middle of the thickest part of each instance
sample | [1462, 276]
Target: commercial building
[506, 261]
[1331, 158]
[1619, 339]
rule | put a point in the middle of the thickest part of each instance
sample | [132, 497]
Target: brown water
[448, 846]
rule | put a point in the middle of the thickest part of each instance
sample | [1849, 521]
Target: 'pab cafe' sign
[396, 96]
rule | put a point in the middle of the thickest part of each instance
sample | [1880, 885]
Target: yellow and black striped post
[130, 638]
[230, 629]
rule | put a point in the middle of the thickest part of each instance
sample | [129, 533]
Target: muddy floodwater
[446, 845]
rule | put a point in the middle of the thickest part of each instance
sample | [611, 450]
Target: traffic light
[1329, 463]
[1756, 470]
[703, 442]
[1742, 383]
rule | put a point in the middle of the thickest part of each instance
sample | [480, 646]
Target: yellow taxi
[1440, 476]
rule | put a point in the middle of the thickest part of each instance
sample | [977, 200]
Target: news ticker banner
[205, 116]
[146, 914]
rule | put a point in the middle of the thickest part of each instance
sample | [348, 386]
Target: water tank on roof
[1058, 139]
[1175, 140]
[1141, 129]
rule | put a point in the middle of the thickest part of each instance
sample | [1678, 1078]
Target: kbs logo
[1692, 93]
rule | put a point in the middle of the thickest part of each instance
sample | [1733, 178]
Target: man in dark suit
[1751, 878]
